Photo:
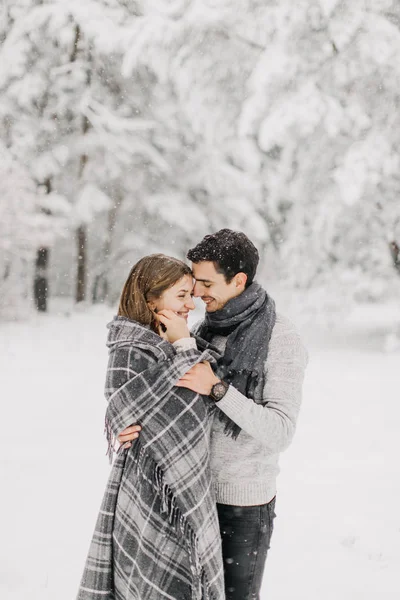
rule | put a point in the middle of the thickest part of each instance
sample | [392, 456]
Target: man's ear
[240, 280]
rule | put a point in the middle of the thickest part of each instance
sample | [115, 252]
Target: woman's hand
[128, 435]
[176, 326]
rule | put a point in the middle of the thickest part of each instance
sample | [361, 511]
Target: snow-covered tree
[200, 71]
[321, 107]
[18, 237]
[62, 111]
[162, 121]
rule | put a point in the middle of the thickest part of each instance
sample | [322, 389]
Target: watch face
[219, 390]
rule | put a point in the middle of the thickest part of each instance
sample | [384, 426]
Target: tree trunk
[394, 248]
[81, 238]
[82, 231]
[41, 286]
[41, 283]
[101, 282]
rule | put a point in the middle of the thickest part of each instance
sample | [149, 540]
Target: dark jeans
[246, 534]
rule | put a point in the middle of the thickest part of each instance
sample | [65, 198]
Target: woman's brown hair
[147, 281]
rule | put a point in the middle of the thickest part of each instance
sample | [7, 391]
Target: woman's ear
[151, 304]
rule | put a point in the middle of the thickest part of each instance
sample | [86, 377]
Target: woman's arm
[131, 433]
[134, 391]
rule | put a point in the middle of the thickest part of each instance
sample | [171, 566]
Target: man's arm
[272, 424]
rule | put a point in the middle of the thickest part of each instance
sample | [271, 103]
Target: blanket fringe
[113, 445]
[147, 467]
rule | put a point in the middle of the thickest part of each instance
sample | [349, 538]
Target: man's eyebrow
[204, 280]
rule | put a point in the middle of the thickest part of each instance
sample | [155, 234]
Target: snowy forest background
[129, 127]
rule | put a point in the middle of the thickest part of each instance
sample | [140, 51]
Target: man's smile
[207, 299]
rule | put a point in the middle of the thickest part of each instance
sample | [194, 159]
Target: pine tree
[60, 114]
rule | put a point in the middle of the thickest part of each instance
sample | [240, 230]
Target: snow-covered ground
[337, 535]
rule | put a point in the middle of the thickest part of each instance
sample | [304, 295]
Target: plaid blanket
[157, 535]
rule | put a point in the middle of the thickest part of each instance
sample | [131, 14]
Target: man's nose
[197, 290]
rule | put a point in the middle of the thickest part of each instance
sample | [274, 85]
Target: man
[257, 388]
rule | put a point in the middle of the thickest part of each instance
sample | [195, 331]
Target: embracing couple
[200, 419]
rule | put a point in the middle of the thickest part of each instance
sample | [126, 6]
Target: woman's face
[177, 298]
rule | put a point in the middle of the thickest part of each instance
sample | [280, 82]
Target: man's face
[212, 287]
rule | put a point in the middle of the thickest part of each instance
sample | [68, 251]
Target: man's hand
[128, 435]
[200, 379]
[176, 326]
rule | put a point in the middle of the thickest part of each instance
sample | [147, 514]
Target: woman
[157, 532]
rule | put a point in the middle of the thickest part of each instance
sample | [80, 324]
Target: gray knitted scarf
[247, 321]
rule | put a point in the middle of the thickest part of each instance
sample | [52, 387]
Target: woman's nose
[190, 304]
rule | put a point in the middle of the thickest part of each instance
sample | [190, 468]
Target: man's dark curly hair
[231, 252]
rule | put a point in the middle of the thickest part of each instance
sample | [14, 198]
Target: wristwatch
[219, 390]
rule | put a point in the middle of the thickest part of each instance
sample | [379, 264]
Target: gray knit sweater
[245, 469]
